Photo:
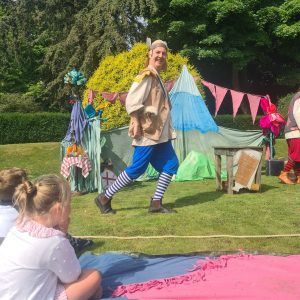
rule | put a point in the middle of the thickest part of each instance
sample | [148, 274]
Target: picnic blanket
[239, 276]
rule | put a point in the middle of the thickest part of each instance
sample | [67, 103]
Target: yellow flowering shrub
[116, 74]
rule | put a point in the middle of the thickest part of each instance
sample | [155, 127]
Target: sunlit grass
[201, 211]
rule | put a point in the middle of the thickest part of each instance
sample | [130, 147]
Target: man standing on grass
[149, 106]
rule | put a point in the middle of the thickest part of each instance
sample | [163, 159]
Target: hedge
[18, 128]
[240, 122]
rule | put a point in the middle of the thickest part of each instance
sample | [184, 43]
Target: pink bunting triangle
[211, 87]
[123, 96]
[254, 104]
[91, 96]
[220, 94]
[111, 97]
[237, 98]
[169, 84]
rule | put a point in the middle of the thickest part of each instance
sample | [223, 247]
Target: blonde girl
[36, 259]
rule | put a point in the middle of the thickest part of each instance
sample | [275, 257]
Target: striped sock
[297, 168]
[289, 165]
[122, 180]
[162, 184]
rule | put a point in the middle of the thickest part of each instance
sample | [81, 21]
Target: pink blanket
[228, 277]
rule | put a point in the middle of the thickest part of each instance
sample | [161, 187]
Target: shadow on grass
[265, 187]
[197, 198]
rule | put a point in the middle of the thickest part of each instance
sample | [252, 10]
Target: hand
[135, 130]
[64, 225]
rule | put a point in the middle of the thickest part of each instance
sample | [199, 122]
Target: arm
[136, 97]
[135, 130]
[64, 263]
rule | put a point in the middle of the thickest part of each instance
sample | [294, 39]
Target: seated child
[9, 180]
[36, 259]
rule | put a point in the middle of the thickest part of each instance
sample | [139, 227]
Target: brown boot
[104, 204]
[284, 178]
[156, 207]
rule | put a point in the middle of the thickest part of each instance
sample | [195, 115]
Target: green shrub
[283, 104]
[17, 128]
[116, 74]
[240, 122]
[16, 102]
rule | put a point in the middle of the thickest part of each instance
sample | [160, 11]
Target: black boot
[156, 207]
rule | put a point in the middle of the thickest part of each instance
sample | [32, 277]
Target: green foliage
[17, 102]
[240, 122]
[283, 104]
[116, 74]
[249, 44]
[43, 40]
[16, 128]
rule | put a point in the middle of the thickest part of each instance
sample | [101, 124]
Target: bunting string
[220, 92]
[217, 91]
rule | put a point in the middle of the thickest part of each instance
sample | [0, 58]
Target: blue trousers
[161, 156]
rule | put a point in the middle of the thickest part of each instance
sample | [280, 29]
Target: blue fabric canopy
[189, 111]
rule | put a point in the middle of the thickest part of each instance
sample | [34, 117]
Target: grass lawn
[203, 214]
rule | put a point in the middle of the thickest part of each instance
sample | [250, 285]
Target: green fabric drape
[194, 146]
[92, 144]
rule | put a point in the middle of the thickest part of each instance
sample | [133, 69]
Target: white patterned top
[33, 260]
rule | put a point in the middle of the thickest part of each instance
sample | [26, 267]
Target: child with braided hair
[10, 178]
[37, 261]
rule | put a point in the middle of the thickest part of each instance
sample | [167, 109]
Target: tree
[43, 40]
[100, 28]
[243, 44]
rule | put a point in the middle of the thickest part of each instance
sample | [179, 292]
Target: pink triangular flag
[111, 97]
[211, 87]
[123, 96]
[237, 98]
[91, 96]
[220, 94]
[169, 84]
[254, 104]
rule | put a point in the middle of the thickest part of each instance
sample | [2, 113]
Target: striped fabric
[297, 168]
[162, 184]
[289, 166]
[81, 162]
[122, 180]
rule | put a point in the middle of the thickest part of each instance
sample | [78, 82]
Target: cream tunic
[135, 100]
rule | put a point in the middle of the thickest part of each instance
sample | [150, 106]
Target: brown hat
[159, 43]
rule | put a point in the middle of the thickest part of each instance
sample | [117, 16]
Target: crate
[274, 167]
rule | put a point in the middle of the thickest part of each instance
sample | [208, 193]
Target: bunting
[91, 96]
[123, 96]
[219, 93]
[110, 97]
[237, 98]
[254, 104]
[211, 87]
